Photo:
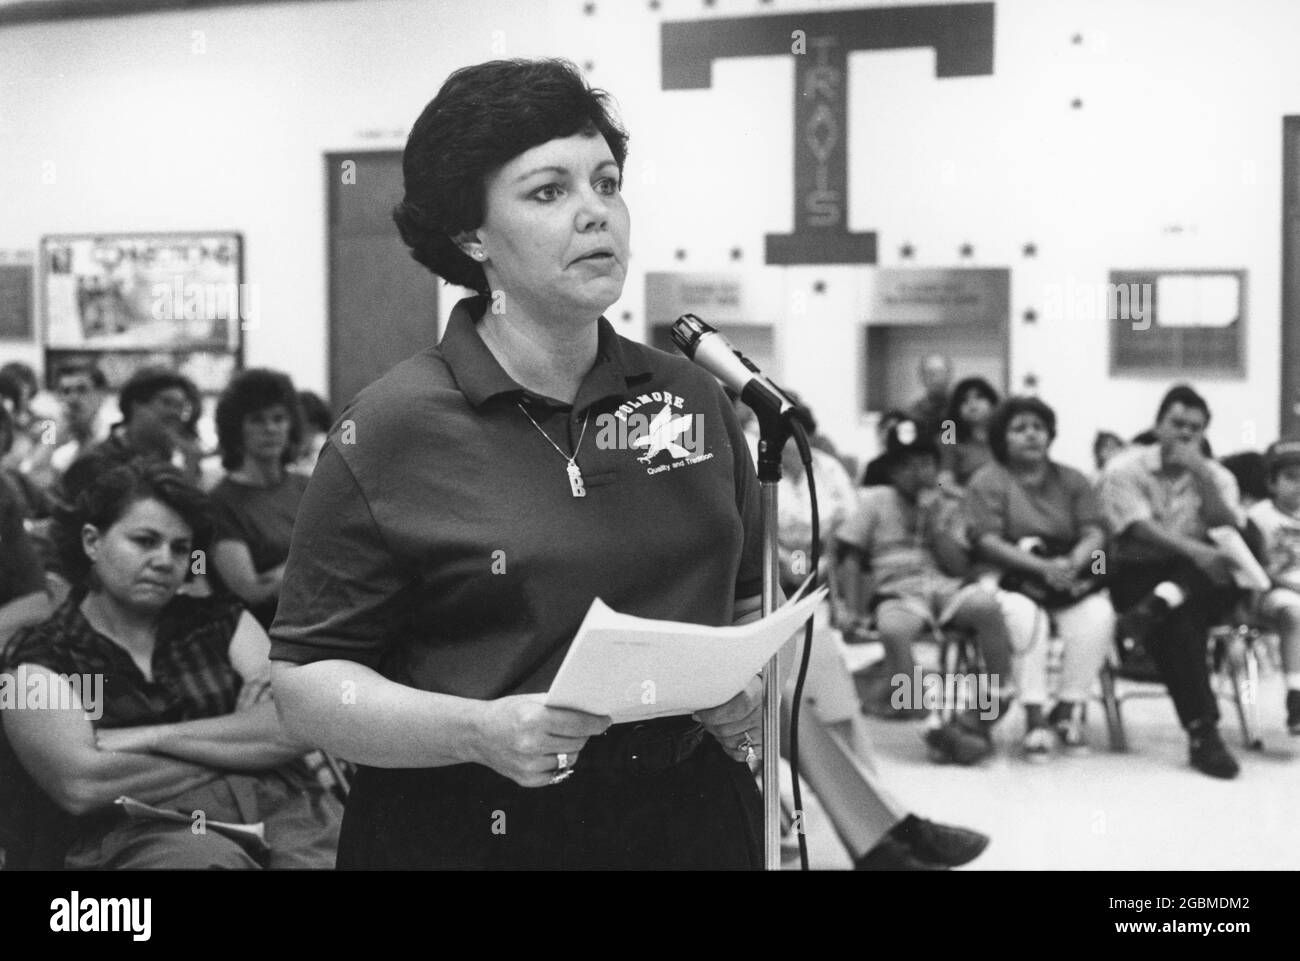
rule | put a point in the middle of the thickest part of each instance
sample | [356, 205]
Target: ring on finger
[561, 761]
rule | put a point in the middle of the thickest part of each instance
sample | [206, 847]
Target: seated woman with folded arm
[1040, 527]
[155, 695]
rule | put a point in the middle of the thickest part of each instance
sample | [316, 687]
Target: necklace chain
[575, 473]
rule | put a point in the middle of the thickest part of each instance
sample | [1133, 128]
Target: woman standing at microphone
[471, 503]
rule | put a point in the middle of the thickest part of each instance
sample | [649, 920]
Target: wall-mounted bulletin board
[133, 300]
[1173, 322]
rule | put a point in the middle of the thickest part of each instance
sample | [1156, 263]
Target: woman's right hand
[521, 738]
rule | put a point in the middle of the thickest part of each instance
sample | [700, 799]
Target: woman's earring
[479, 255]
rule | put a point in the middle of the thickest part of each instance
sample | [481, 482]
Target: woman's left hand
[741, 717]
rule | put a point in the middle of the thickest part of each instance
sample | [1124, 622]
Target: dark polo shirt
[439, 541]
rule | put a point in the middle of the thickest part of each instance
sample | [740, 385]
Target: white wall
[1173, 161]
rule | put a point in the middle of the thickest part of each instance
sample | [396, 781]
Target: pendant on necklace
[575, 480]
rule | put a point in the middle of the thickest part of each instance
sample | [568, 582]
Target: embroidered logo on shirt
[678, 436]
[662, 436]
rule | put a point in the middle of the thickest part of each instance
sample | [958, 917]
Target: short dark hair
[111, 494]
[146, 383]
[82, 368]
[1183, 394]
[22, 373]
[1252, 473]
[315, 412]
[248, 393]
[957, 397]
[6, 430]
[11, 389]
[483, 117]
[891, 464]
[1103, 437]
[1007, 412]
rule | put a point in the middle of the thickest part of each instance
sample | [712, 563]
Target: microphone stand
[774, 432]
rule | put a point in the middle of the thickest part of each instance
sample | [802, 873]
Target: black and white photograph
[808, 436]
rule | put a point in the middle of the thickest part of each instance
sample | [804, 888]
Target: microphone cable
[805, 455]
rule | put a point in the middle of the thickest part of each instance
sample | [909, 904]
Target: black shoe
[1210, 755]
[940, 843]
[955, 744]
[1293, 711]
[893, 855]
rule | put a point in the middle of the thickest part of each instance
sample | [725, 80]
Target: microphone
[708, 348]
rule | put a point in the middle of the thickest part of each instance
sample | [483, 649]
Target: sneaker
[1067, 720]
[1037, 744]
[1293, 711]
[936, 843]
[1209, 755]
[954, 744]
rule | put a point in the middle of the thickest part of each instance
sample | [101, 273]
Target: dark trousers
[1178, 642]
[703, 814]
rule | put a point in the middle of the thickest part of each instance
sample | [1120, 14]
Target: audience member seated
[964, 433]
[835, 753]
[902, 536]
[1168, 582]
[33, 503]
[32, 444]
[1277, 523]
[872, 475]
[317, 419]
[1104, 447]
[23, 599]
[1040, 525]
[1249, 469]
[158, 407]
[936, 379]
[183, 720]
[81, 388]
[259, 426]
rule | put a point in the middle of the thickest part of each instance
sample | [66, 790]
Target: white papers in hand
[1247, 571]
[636, 668]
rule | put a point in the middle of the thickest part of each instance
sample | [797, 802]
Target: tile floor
[1142, 810]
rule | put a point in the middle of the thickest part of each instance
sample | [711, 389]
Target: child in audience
[1277, 521]
[964, 434]
[903, 535]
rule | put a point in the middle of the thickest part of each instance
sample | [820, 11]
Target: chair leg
[951, 656]
[1243, 675]
[1251, 729]
[1110, 703]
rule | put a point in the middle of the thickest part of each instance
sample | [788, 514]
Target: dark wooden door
[383, 306]
[1290, 419]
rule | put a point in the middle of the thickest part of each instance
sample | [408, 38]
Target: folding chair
[1233, 652]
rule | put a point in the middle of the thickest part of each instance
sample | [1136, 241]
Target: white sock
[1170, 593]
[1293, 680]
